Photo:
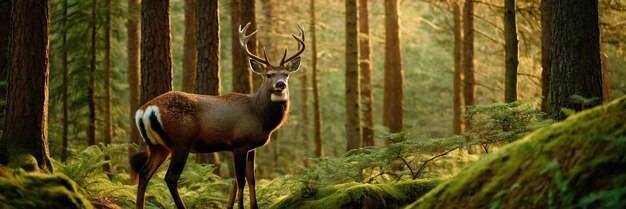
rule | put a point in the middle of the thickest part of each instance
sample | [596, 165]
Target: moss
[360, 195]
[576, 163]
[36, 190]
[24, 161]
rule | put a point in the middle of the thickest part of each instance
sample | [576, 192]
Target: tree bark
[190, 54]
[457, 103]
[546, 43]
[134, 66]
[468, 57]
[208, 68]
[393, 102]
[5, 24]
[353, 97]
[242, 78]
[108, 126]
[606, 79]
[576, 64]
[317, 111]
[64, 97]
[248, 16]
[365, 65]
[91, 89]
[156, 49]
[26, 122]
[511, 50]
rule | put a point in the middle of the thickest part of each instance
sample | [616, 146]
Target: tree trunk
[366, 74]
[5, 24]
[317, 111]
[576, 64]
[393, 102]
[208, 69]
[26, 122]
[156, 49]
[134, 66]
[190, 54]
[353, 100]
[511, 48]
[248, 16]
[242, 79]
[468, 57]
[606, 79]
[64, 67]
[546, 44]
[108, 126]
[91, 89]
[457, 103]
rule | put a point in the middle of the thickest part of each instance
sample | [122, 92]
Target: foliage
[360, 195]
[497, 123]
[199, 186]
[576, 163]
[85, 168]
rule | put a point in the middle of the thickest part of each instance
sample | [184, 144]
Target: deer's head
[275, 77]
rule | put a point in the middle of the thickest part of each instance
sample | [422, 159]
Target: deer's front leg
[250, 179]
[240, 155]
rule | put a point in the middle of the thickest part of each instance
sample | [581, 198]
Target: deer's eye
[268, 75]
[286, 75]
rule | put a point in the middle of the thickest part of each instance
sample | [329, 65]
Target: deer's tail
[137, 161]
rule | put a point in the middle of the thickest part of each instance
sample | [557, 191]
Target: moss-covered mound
[577, 163]
[36, 190]
[360, 195]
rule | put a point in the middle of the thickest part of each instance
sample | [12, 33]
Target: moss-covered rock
[576, 163]
[359, 195]
[36, 190]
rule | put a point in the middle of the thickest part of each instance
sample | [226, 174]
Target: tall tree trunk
[190, 54]
[366, 74]
[468, 57]
[242, 78]
[606, 79]
[248, 16]
[576, 64]
[64, 64]
[315, 81]
[457, 103]
[91, 89]
[108, 126]
[208, 69]
[134, 66]
[156, 49]
[546, 44]
[26, 122]
[353, 97]
[393, 102]
[5, 24]
[511, 45]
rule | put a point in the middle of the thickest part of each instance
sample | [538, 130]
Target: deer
[175, 124]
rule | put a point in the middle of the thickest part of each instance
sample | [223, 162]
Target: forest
[391, 104]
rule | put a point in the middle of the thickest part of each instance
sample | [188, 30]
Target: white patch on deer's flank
[155, 138]
[281, 97]
[139, 116]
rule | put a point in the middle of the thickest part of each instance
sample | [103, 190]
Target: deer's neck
[271, 112]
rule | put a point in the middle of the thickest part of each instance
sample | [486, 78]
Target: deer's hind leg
[157, 156]
[177, 164]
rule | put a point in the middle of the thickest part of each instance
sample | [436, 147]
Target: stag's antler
[300, 40]
[243, 40]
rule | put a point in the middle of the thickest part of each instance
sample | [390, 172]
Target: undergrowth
[403, 159]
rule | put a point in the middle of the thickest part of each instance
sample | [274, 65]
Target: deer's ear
[256, 66]
[294, 65]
